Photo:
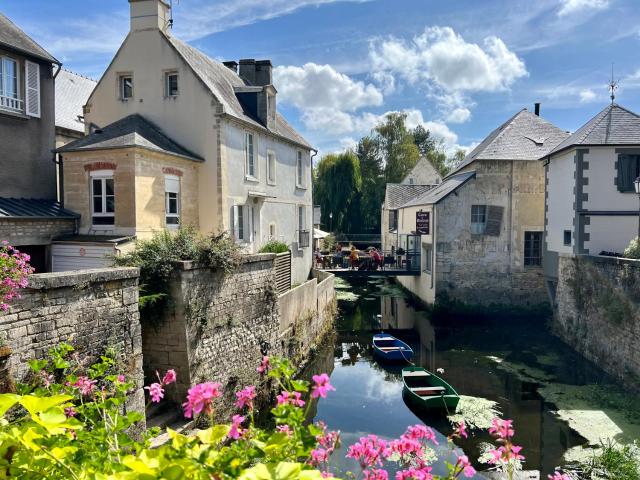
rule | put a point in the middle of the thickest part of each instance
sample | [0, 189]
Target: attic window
[171, 84]
[126, 87]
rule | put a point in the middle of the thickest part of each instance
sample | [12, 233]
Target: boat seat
[388, 349]
[384, 338]
[428, 391]
[418, 373]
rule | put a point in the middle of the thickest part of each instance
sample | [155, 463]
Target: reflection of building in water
[397, 314]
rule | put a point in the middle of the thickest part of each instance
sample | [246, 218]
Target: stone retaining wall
[598, 312]
[94, 310]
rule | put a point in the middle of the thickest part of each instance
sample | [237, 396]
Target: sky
[459, 67]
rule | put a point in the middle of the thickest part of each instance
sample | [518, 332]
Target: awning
[319, 234]
[253, 193]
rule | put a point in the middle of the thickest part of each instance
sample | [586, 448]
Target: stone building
[591, 205]
[30, 216]
[72, 93]
[484, 244]
[255, 180]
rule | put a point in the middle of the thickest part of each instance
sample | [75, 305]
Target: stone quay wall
[93, 310]
[598, 312]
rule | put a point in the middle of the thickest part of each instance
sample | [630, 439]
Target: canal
[516, 368]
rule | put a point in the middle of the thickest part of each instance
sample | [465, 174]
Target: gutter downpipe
[59, 161]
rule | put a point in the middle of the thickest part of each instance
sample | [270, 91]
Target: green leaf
[35, 405]
[300, 385]
[214, 434]
[174, 472]
[37, 365]
[280, 471]
[7, 400]
[275, 443]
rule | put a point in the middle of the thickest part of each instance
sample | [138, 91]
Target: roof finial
[613, 85]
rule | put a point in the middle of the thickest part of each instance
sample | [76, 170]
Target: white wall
[560, 199]
[602, 189]
[610, 234]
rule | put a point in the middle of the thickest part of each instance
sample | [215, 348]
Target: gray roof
[397, 194]
[525, 136]
[72, 93]
[615, 125]
[440, 192]
[222, 81]
[33, 208]
[131, 131]
[14, 38]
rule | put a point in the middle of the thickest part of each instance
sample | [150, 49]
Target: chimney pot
[537, 108]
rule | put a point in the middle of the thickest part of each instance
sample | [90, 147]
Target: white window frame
[273, 227]
[251, 176]
[478, 228]
[301, 222]
[169, 182]
[427, 253]
[12, 103]
[103, 176]
[300, 171]
[167, 90]
[121, 79]
[271, 167]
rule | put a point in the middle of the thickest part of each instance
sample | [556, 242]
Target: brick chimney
[150, 14]
[264, 73]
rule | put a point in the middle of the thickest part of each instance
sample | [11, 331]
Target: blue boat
[388, 347]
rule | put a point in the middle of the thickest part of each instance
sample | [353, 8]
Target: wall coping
[603, 259]
[40, 281]
[185, 265]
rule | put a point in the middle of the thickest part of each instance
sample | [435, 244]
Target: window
[250, 155]
[533, 248]
[300, 171]
[8, 77]
[271, 168]
[393, 220]
[126, 87]
[303, 233]
[567, 237]
[171, 84]
[172, 200]
[478, 219]
[411, 181]
[628, 171]
[272, 231]
[241, 222]
[103, 200]
[427, 252]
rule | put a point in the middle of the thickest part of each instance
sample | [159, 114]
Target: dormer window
[171, 84]
[126, 87]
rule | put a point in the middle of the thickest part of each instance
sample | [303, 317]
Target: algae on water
[476, 412]
[523, 372]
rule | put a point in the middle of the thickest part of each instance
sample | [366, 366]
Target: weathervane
[613, 85]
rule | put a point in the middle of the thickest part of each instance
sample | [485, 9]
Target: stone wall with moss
[598, 312]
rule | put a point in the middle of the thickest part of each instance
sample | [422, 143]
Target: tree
[397, 147]
[372, 172]
[423, 140]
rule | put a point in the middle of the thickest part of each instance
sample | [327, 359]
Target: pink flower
[318, 456]
[121, 378]
[461, 431]
[375, 474]
[245, 397]
[322, 386]
[465, 466]
[502, 429]
[420, 432]
[368, 451]
[156, 392]
[47, 379]
[85, 385]
[413, 473]
[284, 429]
[264, 365]
[200, 398]
[329, 440]
[169, 377]
[236, 432]
[294, 399]
[559, 476]
[70, 412]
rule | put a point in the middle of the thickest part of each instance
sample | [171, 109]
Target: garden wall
[598, 312]
[94, 310]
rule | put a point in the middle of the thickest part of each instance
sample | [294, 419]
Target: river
[506, 362]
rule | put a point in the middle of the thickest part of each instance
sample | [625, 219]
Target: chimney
[150, 14]
[263, 73]
[536, 109]
[232, 65]
[248, 70]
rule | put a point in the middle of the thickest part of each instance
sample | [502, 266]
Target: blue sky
[460, 67]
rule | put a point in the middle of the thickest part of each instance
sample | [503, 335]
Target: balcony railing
[12, 104]
[303, 238]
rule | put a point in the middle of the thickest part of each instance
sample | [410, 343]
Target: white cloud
[587, 95]
[568, 7]
[458, 115]
[442, 56]
[315, 86]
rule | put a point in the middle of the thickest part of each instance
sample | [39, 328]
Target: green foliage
[274, 246]
[633, 250]
[613, 461]
[329, 243]
[155, 258]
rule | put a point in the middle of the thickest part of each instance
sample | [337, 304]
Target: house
[72, 93]
[30, 215]
[421, 178]
[484, 223]
[220, 156]
[591, 206]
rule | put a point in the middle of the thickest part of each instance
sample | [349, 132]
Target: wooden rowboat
[387, 347]
[428, 391]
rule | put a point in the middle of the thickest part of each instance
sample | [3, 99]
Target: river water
[506, 362]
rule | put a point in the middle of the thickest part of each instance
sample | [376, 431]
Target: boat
[387, 347]
[428, 391]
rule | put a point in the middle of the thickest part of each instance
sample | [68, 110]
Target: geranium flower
[236, 432]
[465, 466]
[70, 412]
[322, 386]
[169, 377]
[375, 474]
[559, 476]
[264, 365]
[156, 392]
[502, 429]
[85, 385]
[200, 398]
[413, 473]
[318, 456]
[461, 430]
[245, 397]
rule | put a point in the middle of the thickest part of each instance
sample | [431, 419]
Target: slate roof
[33, 208]
[441, 191]
[72, 93]
[615, 125]
[397, 194]
[11, 36]
[525, 136]
[131, 131]
[221, 81]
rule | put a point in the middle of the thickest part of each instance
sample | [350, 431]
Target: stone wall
[598, 312]
[23, 231]
[94, 310]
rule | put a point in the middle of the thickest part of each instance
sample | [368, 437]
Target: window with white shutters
[32, 82]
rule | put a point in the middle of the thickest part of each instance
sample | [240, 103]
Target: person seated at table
[318, 257]
[353, 257]
[376, 257]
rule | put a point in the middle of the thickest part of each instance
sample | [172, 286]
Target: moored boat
[428, 391]
[388, 347]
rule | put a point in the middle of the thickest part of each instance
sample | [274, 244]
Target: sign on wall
[423, 221]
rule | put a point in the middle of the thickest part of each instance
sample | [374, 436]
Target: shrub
[633, 250]
[329, 243]
[274, 246]
[14, 269]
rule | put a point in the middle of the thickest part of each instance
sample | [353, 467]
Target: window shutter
[32, 83]
[623, 172]
[234, 222]
[494, 220]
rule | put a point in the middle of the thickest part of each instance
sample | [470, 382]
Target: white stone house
[255, 180]
[591, 206]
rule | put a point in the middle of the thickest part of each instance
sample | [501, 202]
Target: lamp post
[636, 184]
[331, 219]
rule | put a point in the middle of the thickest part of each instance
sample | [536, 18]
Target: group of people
[372, 261]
